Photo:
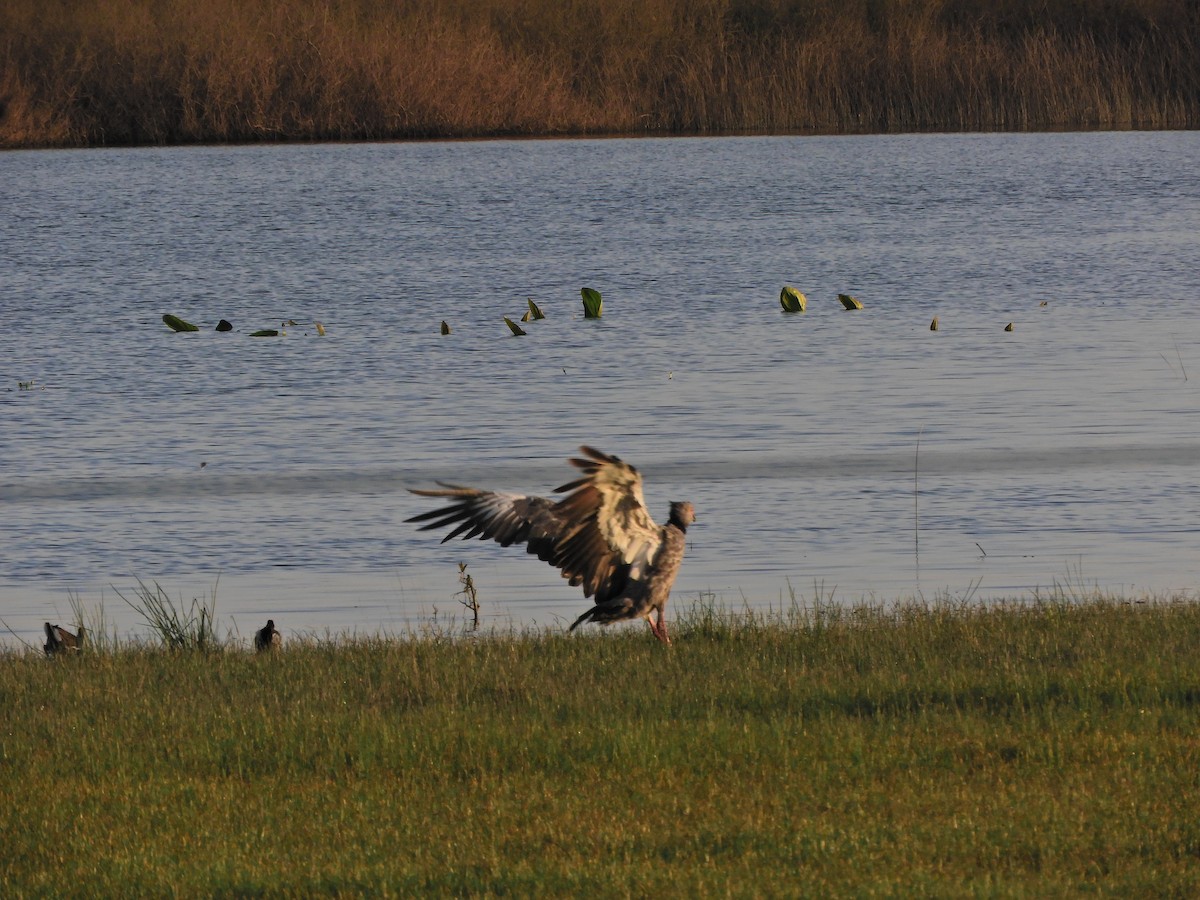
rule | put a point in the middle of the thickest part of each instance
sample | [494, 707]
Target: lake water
[853, 454]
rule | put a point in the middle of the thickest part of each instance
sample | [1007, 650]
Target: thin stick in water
[916, 507]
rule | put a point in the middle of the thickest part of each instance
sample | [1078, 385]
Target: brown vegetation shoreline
[132, 72]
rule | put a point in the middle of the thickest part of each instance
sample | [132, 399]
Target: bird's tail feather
[586, 617]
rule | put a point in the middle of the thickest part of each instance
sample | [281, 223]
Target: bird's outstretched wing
[612, 539]
[600, 535]
[504, 518]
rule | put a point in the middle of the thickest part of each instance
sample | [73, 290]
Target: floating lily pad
[177, 324]
[593, 306]
[792, 300]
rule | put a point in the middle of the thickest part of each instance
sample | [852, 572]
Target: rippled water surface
[852, 453]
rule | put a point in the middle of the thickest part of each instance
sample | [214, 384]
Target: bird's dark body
[59, 640]
[267, 638]
[639, 598]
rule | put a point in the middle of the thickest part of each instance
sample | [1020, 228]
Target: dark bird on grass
[267, 638]
[600, 535]
[59, 640]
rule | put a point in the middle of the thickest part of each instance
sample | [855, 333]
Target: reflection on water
[857, 453]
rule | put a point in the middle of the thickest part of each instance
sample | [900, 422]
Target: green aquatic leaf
[792, 300]
[593, 306]
[513, 326]
[177, 324]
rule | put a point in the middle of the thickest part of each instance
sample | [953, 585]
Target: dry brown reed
[95, 72]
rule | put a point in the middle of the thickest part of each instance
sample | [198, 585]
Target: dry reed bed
[145, 71]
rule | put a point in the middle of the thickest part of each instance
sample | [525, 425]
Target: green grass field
[1030, 749]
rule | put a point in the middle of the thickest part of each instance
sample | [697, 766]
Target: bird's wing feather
[65, 638]
[504, 518]
[610, 538]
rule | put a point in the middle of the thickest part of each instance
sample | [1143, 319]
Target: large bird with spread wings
[600, 535]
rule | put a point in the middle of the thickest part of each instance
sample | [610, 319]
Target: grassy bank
[1035, 749]
[148, 71]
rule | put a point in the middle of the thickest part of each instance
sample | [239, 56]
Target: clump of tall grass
[89, 625]
[101, 637]
[179, 626]
[142, 71]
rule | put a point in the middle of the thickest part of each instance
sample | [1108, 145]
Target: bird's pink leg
[659, 628]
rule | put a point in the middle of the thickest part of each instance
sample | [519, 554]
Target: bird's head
[683, 514]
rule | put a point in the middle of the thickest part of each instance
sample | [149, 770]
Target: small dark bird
[600, 535]
[267, 638]
[59, 640]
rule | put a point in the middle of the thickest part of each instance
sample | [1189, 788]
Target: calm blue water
[856, 454]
